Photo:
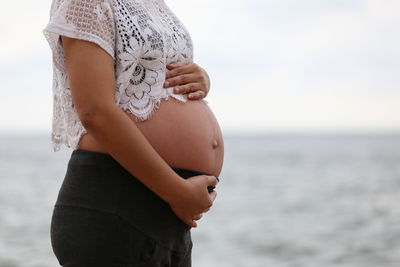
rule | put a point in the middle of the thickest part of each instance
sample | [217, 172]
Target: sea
[284, 200]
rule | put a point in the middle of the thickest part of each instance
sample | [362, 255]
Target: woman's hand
[188, 78]
[195, 200]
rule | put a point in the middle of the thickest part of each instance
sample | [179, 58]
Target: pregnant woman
[146, 154]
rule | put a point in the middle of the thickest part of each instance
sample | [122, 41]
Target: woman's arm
[92, 79]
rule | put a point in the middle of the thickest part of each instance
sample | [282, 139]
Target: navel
[215, 143]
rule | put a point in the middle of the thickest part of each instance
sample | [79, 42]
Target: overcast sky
[275, 65]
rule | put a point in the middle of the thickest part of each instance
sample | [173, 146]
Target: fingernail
[176, 90]
[166, 84]
[191, 95]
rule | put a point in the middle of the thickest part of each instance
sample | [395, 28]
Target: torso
[185, 134]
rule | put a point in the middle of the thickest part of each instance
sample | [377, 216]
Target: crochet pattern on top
[142, 37]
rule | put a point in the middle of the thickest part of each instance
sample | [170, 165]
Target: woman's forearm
[115, 131]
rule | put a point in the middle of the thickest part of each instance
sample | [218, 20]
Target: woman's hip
[84, 237]
[95, 182]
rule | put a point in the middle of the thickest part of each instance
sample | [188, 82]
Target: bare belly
[186, 135]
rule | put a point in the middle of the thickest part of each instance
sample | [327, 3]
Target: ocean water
[283, 201]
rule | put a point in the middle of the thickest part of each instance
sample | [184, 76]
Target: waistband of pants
[97, 181]
[94, 157]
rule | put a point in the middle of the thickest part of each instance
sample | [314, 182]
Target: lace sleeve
[89, 20]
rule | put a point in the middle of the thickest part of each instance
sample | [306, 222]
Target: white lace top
[142, 36]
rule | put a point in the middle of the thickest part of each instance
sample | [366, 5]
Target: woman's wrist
[175, 191]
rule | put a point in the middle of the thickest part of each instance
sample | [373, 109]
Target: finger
[196, 95]
[181, 79]
[212, 180]
[206, 210]
[197, 217]
[188, 88]
[191, 223]
[213, 195]
[176, 64]
[179, 70]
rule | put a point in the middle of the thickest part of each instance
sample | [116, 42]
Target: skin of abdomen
[185, 134]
